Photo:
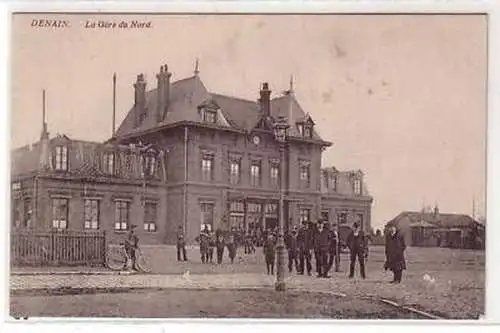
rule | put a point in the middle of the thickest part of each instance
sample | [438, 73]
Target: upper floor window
[60, 213]
[91, 214]
[209, 115]
[109, 163]
[61, 158]
[150, 165]
[207, 163]
[150, 216]
[275, 174]
[234, 172]
[255, 173]
[357, 186]
[304, 174]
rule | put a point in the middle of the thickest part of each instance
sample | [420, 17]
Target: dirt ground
[205, 303]
[447, 282]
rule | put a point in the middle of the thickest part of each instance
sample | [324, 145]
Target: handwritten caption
[132, 24]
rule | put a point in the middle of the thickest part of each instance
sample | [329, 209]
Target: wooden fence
[57, 248]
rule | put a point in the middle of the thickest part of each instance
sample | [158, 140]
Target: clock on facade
[256, 140]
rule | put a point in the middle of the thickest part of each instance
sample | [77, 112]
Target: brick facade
[218, 159]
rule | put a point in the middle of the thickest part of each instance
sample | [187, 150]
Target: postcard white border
[340, 6]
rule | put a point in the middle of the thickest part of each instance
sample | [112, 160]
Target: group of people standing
[210, 242]
[319, 239]
[302, 242]
[323, 241]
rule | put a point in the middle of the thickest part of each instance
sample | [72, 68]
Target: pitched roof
[408, 218]
[187, 94]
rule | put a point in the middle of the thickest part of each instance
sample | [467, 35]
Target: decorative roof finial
[196, 67]
[291, 84]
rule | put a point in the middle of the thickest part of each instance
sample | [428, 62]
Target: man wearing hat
[356, 242]
[292, 247]
[305, 244]
[181, 245]
[131, 246]
[321, 245]
[334, 239]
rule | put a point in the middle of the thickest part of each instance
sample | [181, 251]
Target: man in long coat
[305, 244]
[356, 241]
[394, 252]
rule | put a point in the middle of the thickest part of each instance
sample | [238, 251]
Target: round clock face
[256, 140]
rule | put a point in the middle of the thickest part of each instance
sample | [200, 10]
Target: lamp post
[280, 134]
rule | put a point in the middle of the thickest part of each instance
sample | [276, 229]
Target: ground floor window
[28, 212]
[305, 215]
[360, 219]
[122, 215]
[150, 216]
[91, 214]
[342, 218]
[207, 216]
[324, 216]
[254, 215]
[237, 215]
[60, 213]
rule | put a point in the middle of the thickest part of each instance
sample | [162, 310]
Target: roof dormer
[305, 127]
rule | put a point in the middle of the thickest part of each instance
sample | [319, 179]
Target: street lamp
[280, 134]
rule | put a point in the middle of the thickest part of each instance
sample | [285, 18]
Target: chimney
[160, 107]
[166, 90]
[140, 99]
[265, 99]
[436, 211]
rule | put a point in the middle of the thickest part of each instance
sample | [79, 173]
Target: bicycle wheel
[143, 263]
[115, 259]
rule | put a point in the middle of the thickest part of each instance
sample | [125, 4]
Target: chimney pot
[265, 99]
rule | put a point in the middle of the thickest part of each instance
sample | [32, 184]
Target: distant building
[184, 156]
[436, 229]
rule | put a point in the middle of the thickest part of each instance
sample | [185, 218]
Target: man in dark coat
[394, 253]
[293, 249]
[231, 244]
[305, 244]
[356, 241]
[181, 245]
[131, 246]
[220, 245]
[204, 240]
[269, 249]
[321, 246]
[332, 250]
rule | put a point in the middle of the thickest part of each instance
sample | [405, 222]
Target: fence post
[104, 250]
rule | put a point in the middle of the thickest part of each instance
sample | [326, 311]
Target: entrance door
[271, 223]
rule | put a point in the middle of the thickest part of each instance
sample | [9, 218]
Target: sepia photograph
[265, 166]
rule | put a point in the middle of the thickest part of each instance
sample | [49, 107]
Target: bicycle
[117, 259]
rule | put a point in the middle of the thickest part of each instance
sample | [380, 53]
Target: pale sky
[401, 97]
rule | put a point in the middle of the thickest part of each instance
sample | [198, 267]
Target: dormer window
[333, 182]
[305, 129]
[109, 163]
[357, 186]
[61, 158]
[209, 116]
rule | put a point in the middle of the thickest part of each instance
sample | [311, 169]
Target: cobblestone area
[455, 288]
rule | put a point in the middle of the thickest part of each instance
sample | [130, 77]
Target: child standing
[270, 253]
